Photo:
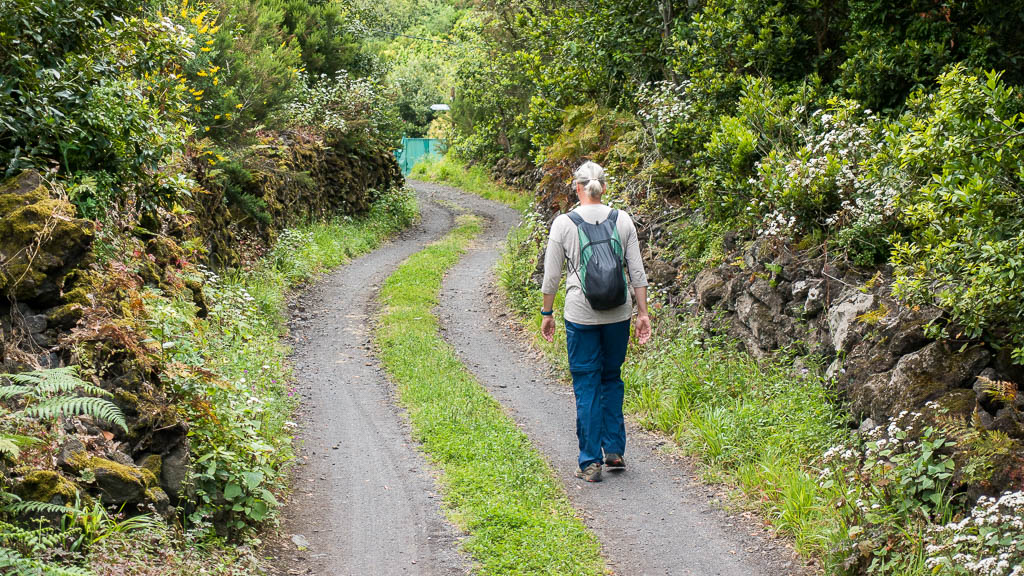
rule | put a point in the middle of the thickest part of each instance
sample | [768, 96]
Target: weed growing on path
[498, 488]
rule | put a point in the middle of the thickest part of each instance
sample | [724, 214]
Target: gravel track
[366, 500]
[364, 497]
[652, 519]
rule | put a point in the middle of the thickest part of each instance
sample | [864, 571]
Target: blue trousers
[596, 353]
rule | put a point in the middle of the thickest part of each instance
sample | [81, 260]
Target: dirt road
[366, 503]
[364, 498]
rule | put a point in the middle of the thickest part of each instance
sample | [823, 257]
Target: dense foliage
[409, 39]
[887, 135]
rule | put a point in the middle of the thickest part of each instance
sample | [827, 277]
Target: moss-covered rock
[46, 486]
[117, 483]
[40, 240]
[153, 463]
[159, 499]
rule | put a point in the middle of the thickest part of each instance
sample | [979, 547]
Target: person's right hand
[547, 328]
[643, 329]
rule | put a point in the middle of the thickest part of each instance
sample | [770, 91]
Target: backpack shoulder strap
[576, 218]
[613, 216]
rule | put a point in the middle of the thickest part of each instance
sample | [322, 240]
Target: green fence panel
[416, 149]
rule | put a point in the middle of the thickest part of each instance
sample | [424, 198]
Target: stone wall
[296, 179]
[517, 173]
[770, 297]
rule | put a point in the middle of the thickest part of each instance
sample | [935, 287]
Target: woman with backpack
[600, 246]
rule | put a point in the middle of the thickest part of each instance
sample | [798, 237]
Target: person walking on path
[601, 247]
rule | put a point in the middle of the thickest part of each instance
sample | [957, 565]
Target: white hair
[591, 175]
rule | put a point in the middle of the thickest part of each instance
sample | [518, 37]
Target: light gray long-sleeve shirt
[564, 242]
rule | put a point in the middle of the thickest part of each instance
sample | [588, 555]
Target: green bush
[76, 88]
[961, 156]
[892, 48]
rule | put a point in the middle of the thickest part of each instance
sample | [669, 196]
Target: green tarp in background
[415, 149]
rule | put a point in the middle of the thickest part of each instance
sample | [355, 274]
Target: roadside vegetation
[171, 169]
[496, 485]
[775, 433]
[228, 364]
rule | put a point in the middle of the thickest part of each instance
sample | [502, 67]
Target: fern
[55, 381]
[11, 562]
[53, 387]
[1002, 391]
[75, 405]
[11, 444]
[13, 391]
[34, 507]
[980, 448]
[8, 448]
[34, 540]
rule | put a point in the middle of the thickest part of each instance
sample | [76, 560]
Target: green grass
[497, 487]
[473, 179]
[757, 426]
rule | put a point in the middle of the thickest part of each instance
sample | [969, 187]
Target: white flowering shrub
[897, 480]
[987, 542]
[662, 106]
[823, 184]
[341, 105]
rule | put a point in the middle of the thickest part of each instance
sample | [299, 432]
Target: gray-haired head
[591, 176]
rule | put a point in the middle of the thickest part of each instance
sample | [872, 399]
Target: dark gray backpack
[601, 270]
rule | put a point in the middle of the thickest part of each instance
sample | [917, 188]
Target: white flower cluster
[988, 542]
[829, 164]
[177, 34]
[335, 103]
[664, 104]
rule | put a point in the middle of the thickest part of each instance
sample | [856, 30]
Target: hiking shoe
[614, 461]
[592, 473]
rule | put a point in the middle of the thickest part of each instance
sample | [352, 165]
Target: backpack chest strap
[579, 221]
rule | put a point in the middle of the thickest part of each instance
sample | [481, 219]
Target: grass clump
[498, 487]
[757, 426]
[473, 179]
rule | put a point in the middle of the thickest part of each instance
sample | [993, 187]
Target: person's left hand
[643, 329]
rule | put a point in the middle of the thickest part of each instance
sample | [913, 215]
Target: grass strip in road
[473, 179]
[497, 487]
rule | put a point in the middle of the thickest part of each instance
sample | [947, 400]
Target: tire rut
[652, 519]
[363, 495]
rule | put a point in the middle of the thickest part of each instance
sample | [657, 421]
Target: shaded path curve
[364, 502]
[652, 519]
